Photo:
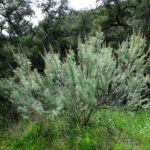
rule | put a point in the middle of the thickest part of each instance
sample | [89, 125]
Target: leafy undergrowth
[108, 130]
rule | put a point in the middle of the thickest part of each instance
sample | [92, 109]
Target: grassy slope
[113, 130]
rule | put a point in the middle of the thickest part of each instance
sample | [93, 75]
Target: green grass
[108, 130]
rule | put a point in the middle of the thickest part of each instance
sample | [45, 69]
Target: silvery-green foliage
[76, 87]
[131, 70]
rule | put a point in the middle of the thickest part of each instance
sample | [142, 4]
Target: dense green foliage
[62, 25]
[113, 130]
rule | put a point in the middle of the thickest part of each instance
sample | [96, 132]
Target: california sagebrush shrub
[76, 87]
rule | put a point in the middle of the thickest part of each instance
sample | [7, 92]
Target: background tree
[15, 16]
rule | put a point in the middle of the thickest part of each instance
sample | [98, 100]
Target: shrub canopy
[76, 86]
